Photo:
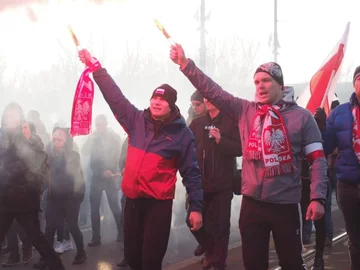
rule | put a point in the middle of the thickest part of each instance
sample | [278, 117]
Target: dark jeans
[85, 205]
[56, 213]
[98, 185]
[31, 225]
[214, 235]
[147, 230]
[62, 232]
[13, 241]
[320, 227]
[349, 204]
[328, 214]
[257, 220]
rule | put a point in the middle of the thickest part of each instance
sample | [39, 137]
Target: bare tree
[232, 63]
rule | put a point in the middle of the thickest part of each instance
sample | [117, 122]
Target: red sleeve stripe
[314, 155]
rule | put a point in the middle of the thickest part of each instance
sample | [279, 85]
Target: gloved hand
[320, 118]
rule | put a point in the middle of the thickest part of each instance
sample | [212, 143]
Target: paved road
[235, 255]
[179, 254]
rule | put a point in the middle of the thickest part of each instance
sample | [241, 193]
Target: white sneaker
[59, 249]
[67, 245]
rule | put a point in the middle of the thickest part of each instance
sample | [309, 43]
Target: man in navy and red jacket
[160, 144]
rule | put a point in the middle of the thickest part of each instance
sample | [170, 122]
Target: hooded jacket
[339, 135]
[156, 150]
[304, 138]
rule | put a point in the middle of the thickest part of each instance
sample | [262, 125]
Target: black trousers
[14, 232]
[257, 220]
[31, 225]
[112, 192]
[320, 224]
[214, 235]
[147, 230]
[62, 232]
[349, 204]
[56, 213]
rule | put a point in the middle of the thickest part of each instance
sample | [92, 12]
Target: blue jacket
[155, 154]
[339, 135]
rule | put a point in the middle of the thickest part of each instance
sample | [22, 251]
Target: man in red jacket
[160, 144]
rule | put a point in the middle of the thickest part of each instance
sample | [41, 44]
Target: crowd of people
[292, 161]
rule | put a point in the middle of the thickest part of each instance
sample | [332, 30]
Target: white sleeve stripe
[315, 146]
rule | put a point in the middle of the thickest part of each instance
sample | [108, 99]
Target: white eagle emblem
[257, 127]
[275, 140]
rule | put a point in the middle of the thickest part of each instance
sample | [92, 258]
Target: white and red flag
[321, 90]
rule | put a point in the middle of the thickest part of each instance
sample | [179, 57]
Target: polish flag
[321, 90]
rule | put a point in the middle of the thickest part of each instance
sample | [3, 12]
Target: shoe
[80, 257]
[67, 245]
[11, 261]
[94, 243]
[59, 249]
[199, 251]
[318, 264]
[328, 243]
[123, 263]
[206, 265]
[27, 255]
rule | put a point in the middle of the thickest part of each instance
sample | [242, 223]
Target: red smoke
[8, 4]
[16, 3]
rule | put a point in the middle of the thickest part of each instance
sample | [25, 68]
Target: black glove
[320, 118]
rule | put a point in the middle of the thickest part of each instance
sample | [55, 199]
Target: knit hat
[356, 74]
[167, 93]
[274, 70]
[197, 97]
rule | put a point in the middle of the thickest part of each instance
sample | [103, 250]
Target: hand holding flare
[162, 29]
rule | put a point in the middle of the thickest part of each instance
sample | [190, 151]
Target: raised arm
[124, 111]
[224, 101]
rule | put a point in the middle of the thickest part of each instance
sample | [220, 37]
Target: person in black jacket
[66, 190]
[217, 143]
[103, 147]
[23, 171]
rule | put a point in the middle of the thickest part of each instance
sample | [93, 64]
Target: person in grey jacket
[276, 136]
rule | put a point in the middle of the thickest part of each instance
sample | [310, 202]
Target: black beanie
[166, 92]
[197, 96]
[356, 74]
[274, 70]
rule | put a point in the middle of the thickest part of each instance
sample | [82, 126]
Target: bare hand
[26, 131]
[108, 173]
[84, 56]
[196, 222]
[177, 55]
[215, 132]
[315, 211]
